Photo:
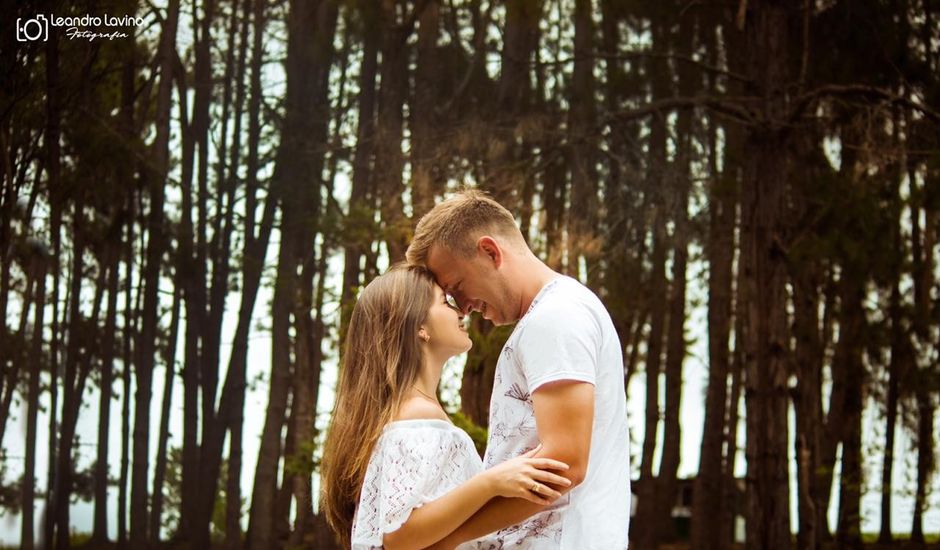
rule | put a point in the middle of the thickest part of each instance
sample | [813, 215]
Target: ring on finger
[535, 488]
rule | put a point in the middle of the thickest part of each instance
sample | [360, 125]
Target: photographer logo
[88, 27]
[32, 29]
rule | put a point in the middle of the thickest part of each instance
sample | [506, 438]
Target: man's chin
[499, 322]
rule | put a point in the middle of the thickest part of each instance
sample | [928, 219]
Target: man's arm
[564, 416]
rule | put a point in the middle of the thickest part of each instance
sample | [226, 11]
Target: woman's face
[447, 335]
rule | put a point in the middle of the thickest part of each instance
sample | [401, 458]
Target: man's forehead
[443, 264]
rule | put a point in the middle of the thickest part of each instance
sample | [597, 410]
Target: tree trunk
[513, 95]
[839, 415]
[923, 239]
[657, 168]
[303, 406]
[70, 401]
[308, 336]
[56, 206]
[807, 400]
[80, 355]
[583, 219]
[680, 184]
[123, 172]
[707, 493]
[100, 533]
[732, 498]
[159, 476]
[36, 363]
[427, 169]
[806, 276]
[156, 245]
[208, 307]
[851, 326]
[300, 154]
[131, 314]
[389, 130]
[900, 353]
[926, 460]
[285, 491]
[11, 378]
[647, 490]
[233, 494]
[766, 175]
[361, 206]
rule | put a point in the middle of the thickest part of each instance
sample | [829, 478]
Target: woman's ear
[423, 334]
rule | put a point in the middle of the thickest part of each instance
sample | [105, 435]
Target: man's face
[476, 283]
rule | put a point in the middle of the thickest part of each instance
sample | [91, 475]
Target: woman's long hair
[381, 361]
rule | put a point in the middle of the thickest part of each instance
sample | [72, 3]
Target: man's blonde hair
[458, 222]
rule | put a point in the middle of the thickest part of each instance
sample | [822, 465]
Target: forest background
[192, 193]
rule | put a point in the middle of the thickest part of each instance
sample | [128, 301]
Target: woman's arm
[435, 520]
[513, 478]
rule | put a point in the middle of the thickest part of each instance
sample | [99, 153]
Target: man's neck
[539, 275]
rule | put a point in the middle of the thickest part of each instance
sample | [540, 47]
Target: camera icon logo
[33, 29]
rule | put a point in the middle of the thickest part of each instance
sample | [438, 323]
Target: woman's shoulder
[418, 408]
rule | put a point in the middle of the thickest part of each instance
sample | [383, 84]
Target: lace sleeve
[409, 468]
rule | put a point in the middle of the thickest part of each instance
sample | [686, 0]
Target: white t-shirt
[413, 463]
[566, 334]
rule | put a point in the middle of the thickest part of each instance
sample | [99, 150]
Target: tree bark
[680, 182]
[56, 206]
[707, 492]
[851, 326]
[80, 354]
[156, 245]
[361, 201]
[70, 401]
[658, 167]
[427, 179]
[924, 240]
[647, 490]
[513, 96]
[233, 493]
[300, 155]
[100, 532]
[36, 363]
[131, 314]
[766, 175]
[389, 130]
[169, 362]
[900, 352]
[583, 220]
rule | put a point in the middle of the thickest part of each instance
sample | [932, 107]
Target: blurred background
[193, 192]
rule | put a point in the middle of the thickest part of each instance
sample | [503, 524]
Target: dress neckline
[420, 422]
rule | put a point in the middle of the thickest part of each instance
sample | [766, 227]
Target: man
[559, 379]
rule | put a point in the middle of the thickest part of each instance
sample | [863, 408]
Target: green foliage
[302, 462]
[477, 433]
[10, 493]
[173, 491]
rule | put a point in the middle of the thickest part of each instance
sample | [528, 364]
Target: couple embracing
[556, 475]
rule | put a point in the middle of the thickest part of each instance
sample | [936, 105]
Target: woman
[395, 472]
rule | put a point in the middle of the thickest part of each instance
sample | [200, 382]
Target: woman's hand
[529, 478]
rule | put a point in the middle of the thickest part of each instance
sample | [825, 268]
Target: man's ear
[488, 246]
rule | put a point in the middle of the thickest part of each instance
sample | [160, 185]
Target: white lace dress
[413, 463]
